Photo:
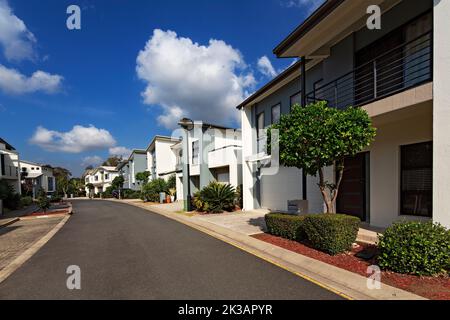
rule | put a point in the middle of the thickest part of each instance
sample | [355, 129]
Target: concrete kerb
[345, 283]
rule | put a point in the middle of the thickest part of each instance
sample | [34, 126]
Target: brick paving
[18, 237]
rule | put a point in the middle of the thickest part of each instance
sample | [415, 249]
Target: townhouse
[161, 160]
[101, 177]
[136, 163]
[36, 176]
[9, 165]
[215, 154]
[399, 75]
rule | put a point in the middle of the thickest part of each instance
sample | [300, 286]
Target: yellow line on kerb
[305, 277]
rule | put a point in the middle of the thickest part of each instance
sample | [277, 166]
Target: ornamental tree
[143, 177]
[314, 137]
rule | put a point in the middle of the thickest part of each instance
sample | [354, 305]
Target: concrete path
[125, 252]
[247, 223]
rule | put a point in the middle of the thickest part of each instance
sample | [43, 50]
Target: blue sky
[72, 97]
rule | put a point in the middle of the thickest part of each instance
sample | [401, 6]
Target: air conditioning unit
[297, 206]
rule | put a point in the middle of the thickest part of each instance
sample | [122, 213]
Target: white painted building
[215, 154]
[136, 163]
[161, 160]
[399, 75]
[101, 177]
[9, 165]
[36, 177]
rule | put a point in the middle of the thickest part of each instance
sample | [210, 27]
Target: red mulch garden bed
[49, 213]
[436, 288]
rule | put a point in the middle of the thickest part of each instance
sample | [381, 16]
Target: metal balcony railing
[401, 68]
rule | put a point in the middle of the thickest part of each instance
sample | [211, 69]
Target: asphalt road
[126, 252]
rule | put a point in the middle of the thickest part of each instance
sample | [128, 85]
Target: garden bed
[48, 213]
[436, 288]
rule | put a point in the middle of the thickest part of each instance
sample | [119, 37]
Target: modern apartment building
[161, 161]
[36, 177]
[136, 162]
[9, 165]
[399, 75]
[215, 154]
[101, 177]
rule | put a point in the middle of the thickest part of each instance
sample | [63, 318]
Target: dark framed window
[50, 184]
[276, 113]
[296, 99]
[195, 152]
[260, 124]
[2, 164]
[417, 179]
[260, 133]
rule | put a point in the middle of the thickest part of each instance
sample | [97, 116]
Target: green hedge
[331, 233]
[286, 226]
[420, 248]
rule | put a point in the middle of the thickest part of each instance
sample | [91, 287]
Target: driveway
[125, 252]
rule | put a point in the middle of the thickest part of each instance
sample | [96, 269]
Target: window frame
[271, 112]
[299, 93]
[402, 168]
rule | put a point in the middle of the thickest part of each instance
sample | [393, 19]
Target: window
[260, 133]
[417, 179]
[106, 176]
[195, 152]
[276, 113]
[2, 164]
[296, 99]
[50, 184]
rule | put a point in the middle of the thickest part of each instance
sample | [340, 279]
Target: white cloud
[266, 68]
[77, 140]
[308, 5]
[91, 161]
[14, 82]
[119, 152]
[15, 38]
[203, 82]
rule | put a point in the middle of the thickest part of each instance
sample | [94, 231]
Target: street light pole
[187, 125]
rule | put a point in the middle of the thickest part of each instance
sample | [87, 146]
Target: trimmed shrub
[420, 248]
[286, 226]
[150, 191]
[130, 194]
[43, 201]
[26, 201]
[331, 233]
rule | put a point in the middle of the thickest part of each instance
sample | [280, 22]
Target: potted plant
[172, 192]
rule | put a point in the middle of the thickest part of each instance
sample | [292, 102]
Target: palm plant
[219, 197]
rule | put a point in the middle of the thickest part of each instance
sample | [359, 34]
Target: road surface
[125, 252]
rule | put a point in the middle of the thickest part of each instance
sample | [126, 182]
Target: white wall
[165, 158]
[247, 167]
[277, 189]
[441, 113]
[385, 163]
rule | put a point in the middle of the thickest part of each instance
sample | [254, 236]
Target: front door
[352, 197]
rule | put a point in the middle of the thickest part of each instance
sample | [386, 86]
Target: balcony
[224, 156]
[401, 68]
[11, 172]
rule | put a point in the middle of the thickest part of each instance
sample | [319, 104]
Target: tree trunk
[323, 190]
